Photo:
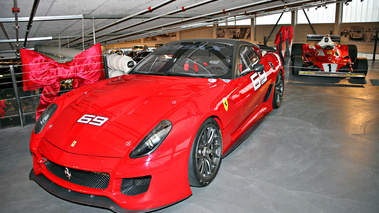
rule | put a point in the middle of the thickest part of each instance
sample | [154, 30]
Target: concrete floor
[318, 153]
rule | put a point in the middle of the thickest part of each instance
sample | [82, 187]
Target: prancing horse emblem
[68, 173]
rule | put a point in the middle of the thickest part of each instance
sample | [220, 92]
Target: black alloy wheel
[206, 154]
[278, 91]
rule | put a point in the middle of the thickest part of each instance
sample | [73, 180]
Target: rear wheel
[297, 49]
[361, 65]
[297, 64]
[206, 153]
[278, 91]
[353, 51]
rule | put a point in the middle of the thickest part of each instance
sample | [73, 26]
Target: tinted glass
[248, 58]
[193, 59]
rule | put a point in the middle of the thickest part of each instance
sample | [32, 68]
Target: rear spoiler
[314, 37]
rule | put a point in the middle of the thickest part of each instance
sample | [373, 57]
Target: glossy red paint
[134, 105]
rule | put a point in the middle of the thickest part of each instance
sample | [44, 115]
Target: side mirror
[258, 68]
[131, 64]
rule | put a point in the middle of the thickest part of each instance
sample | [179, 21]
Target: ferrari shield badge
[73, 144]
[225, 102]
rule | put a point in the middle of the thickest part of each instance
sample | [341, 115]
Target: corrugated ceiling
[66, 22]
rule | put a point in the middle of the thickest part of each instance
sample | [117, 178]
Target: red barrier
[2, 107]
[287, 33]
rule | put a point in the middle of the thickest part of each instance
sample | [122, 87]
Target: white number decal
[329, 67]
[258, 79]
[92, 119]
[86, 119]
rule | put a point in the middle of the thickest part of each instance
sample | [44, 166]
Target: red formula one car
[327, 58]
[139, 141]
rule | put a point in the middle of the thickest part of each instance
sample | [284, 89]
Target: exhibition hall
[188, 106]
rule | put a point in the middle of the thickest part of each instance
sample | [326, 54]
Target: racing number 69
[258, 79]
[92, 119]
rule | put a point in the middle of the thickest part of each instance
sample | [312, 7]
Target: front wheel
[206, 153]
[353, 52]
[296, 50]
[278, 91]
[360, 65]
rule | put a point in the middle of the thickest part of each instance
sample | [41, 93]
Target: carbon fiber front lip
[76, 197]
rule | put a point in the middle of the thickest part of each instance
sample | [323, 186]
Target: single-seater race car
[327, 58]
[137, 142]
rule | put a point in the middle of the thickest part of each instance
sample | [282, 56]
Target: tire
[360, 65]
[297, 65]
[206, 154]
[297, 49]
[353, 51]
[278, 91]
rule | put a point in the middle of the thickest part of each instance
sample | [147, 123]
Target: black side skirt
[246, 134]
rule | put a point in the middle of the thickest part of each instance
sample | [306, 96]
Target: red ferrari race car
[137, 142]
[327, 58]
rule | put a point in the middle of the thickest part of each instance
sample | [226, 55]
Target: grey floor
[318, 153]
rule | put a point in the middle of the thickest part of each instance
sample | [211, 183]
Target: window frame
[250, 67]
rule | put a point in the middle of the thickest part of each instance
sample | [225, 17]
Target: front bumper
[66, 194]
[169, 180]
[332, 74]
[86, 199]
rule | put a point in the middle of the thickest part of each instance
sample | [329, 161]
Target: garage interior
[317, 153]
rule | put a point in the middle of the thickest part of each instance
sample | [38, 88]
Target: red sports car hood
[133, 104]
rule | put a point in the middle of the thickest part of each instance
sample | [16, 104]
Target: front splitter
[332, 74]
[86, 199]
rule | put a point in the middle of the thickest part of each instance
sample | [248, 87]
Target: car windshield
[192, 59]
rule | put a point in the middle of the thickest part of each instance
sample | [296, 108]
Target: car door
[253, 78]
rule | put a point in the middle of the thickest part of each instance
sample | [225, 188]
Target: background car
[327, 58]
[139, 141]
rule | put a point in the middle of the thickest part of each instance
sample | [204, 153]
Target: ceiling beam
[6, 34]
[133, 15]
[123, 19]
[30, 39]
[16, 10]
[154, 18]
[32, 13]
[276, 7]
[42, 18]
[85, 16]
[193, 18]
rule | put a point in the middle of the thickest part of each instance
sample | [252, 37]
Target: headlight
[152, 141]
[44, 118]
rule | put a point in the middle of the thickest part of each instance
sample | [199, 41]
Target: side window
[247, 59]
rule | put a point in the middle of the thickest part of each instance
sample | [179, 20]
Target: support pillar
[179, 35]
[214, 31]
[338, 20]
[253, 30]
[294, 24]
